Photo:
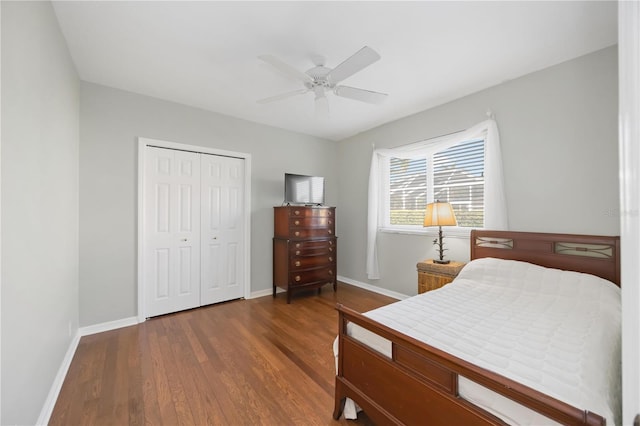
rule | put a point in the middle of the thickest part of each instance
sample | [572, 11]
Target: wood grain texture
[304, 248]
[244, 362]
[540, 248]
[415, 380]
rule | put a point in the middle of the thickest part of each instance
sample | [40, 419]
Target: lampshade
[439, 214]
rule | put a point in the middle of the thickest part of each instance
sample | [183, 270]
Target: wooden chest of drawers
[304, 248]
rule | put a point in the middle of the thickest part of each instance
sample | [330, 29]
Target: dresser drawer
[311, 222]
[304, 222]
[313, 275]
[311, 233]
[303, 262]
[310, 212]
[312, 248]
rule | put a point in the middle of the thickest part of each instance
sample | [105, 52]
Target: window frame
[385, 208]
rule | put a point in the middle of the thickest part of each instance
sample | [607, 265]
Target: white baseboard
[107, 326]
[52, 397]
[50, 402]
[262, 293]
[54, 392]
[373, 288]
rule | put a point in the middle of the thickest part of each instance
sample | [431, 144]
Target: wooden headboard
[592, 254]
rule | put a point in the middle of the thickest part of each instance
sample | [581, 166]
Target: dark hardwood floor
[244, 362]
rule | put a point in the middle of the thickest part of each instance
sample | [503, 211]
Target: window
[454, 175]
[463, 168]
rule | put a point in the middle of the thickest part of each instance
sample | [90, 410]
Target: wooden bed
[419, 383]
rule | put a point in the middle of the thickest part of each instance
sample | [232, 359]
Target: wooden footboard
[419, 384]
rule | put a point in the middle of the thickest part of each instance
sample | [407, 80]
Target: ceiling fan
[321, 79]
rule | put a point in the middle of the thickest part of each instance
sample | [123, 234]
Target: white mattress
[554, 331]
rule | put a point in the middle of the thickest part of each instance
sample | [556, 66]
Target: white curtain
[495, 213]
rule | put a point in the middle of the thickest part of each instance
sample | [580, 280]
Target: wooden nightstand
[433, 275]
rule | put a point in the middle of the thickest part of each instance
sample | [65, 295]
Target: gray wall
[40, 138]
[111, 120]
[559, 138]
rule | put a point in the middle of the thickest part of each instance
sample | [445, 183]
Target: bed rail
[419, 383]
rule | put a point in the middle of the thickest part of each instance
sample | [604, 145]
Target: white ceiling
[204, 53]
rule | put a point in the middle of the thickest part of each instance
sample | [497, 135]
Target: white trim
[108, 326]
[56, 386]
[0, 221]
[344, 280]
[142, 143]
[629, 163]
[267, 292]
[447, 231]
[373, 288]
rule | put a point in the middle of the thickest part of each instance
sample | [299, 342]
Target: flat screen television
[302, 189]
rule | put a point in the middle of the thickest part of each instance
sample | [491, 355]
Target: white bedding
[554, 331]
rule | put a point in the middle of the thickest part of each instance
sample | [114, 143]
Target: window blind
[454, 175]
[458, 178]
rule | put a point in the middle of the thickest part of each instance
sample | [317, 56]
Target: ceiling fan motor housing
[319, 76]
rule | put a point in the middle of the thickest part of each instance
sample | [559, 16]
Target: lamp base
[441, 262]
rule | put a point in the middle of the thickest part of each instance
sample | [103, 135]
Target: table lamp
[439, 214]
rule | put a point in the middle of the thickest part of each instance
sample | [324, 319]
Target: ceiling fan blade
[361, 59]
[360, 94]
[286, 68]
[282, 96]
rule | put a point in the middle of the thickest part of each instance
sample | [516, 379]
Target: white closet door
[172, 234]
[222, 229]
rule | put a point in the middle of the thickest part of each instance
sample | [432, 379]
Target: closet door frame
[142, 145]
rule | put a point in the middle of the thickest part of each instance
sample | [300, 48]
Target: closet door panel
[222, 228]
[172, 234]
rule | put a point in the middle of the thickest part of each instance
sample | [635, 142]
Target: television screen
[301, 189]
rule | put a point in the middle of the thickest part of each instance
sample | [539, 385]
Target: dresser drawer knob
[330, 249]
[297, 252]
[297, 263]
[297, 233]
[297, 222]
[329, 212]
[297, 278]
[297, 245]
[297, 212]
[330, 272]
[329, 231]
[330, 259]
[330, 243]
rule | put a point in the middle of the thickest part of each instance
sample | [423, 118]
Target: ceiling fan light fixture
[322, 106]
[319, 91]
